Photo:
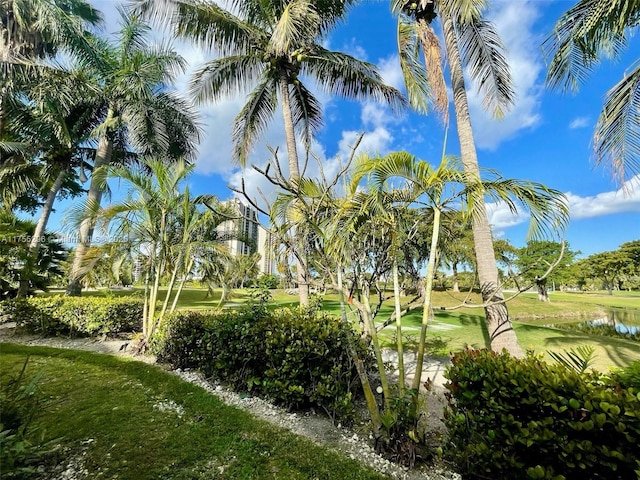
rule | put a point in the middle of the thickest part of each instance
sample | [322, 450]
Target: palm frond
[299, 20]
[205, 23]
[548, 208]
[584, 33]
[463, 11]
[433, 67]
[253, 118]
[343, 75]
[617, 137]
[413, 72]
[306, 111]
[482, 52]
[225, 77]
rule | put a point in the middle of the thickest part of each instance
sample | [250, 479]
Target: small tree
[535, 259]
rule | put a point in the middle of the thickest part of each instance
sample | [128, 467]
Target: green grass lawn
[135, 421]
[453, 330]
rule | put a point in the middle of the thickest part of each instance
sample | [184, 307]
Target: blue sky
[545, 138]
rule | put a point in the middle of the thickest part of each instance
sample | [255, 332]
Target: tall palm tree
[139, 113]
[583, 35]
[273, 48]
[57, 124]
[472, 42]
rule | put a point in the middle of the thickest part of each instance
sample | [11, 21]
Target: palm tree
[450, 188]
[584, 34]
[139, 113]
[272, 47]
[471, 42]
[32, 30]
[56, 125]
[163, 222]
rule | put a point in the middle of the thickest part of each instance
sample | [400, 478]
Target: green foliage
[269, 281]
[579, 358]
[629, 377]
[523, 418]
[296, 357]
[19, 401]
[83, 316]
[400, 436]
[15, 237]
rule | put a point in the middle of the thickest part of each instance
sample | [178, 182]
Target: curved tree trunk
[499, 325]
[38, 234]
[94, 196]
[294, 176]
[543, 292]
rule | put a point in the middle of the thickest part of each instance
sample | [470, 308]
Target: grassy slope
[111, 400]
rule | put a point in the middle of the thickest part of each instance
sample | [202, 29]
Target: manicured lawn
[453, 330]
[137, 422]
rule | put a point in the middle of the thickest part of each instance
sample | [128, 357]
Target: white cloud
[391, 72]
[514, 22]
[354, 49]
[501, 217]
[624, 199]
[579, 122]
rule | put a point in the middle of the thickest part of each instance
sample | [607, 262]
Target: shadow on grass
[620, 352]
[467, 320]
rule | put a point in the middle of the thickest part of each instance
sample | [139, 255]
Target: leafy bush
[628, 377]
[268, 280]
[523, 418]
[76, 315]
[295, 357]
[400, 436]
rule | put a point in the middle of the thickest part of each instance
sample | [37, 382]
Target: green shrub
[628, 377]
[268, 280]
[523, 418]
[82, 316]
[295, 357]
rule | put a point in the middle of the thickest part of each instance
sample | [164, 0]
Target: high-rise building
[266, 249]
[244, 235]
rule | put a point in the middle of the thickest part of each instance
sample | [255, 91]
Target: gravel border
[316, 427]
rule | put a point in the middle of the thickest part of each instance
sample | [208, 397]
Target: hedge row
[295, 357]
[523, 418]
[82, 316]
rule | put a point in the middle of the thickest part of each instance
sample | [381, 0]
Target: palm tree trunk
[431, 270]
[294, 176]
[94, 196]
[372, 405]
[160, 263]
[386, 392]
[399, 345]
[38, 233]
[165, 304]
[454, 276]
[499, 325]
[181, 286]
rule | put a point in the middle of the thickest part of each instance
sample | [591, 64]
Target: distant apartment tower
[244, 235]
[266, 249]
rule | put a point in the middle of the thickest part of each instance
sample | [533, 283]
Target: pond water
[623, 322]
